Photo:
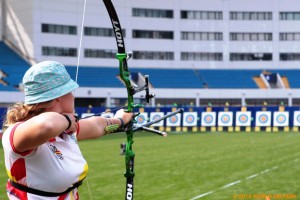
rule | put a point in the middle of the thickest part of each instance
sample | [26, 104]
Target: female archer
[42, 157]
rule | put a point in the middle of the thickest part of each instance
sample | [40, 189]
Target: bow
[132, 127]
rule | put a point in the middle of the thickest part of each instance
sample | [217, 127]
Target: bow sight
[135, 89]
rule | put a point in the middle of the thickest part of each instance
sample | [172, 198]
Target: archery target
[243, 118]
[174, 120]
[225, 119]
[141, 118]
[156, 115]
[263, 118]
[208, 119]
[190, 118]
[281, 118]
[297, 118]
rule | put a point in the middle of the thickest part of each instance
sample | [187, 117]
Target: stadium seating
[13, 65]
[292, 76]
[160, 78]
[229, 78]
[95, 76]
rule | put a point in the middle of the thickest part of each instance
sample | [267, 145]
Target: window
[289, 16]
[59, 51]
[59, 29]
[251, 36]
[99, 53]
[153, 55]
[103, 32]
[289, 56]
[155, 13]
[201, 56]
[251, 15]
[202, 15]
[201, 36]
[152, 34]
[250, 56]
[289, 36]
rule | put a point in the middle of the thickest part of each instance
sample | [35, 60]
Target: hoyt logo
[118, 33]
[129, 192]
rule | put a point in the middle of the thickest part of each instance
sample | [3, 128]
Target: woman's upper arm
[38, 130]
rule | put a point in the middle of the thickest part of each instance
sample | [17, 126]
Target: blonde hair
[22, 112]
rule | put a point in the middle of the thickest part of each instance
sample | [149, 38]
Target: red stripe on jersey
[18, 170]
[11, 139]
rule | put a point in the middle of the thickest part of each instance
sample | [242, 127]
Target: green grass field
[183, 166]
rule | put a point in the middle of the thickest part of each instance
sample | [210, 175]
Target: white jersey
[52, 167]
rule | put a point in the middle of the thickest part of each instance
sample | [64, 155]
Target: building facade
[256, 34]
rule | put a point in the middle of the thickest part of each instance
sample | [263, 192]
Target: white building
[261, 34]
[211, 34]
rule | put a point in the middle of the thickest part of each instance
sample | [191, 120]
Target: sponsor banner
[175, 120]
[83, 115]
[156, 115]
[141, 118]
[225, 119]
[297, 118]
[190, 118]
[107, 115]
[243, 118]
[208, 119]
[263, 118]
[281, 118]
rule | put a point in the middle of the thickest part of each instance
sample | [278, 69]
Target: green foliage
[183, 166]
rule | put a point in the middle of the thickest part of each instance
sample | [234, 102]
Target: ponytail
[22, 112]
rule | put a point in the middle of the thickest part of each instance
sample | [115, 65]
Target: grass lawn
[193, 165]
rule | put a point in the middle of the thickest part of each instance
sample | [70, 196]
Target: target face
[243, 118]
[208, 119]
[263, 118]
[174, 120]
[156, 115]
[190, 119]
[225, 119]
[141, 118]
[281, 119]
[297, 118]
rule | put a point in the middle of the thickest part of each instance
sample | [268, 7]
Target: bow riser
[125, 76]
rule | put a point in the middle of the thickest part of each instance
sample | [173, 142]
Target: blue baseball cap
[46, 81]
